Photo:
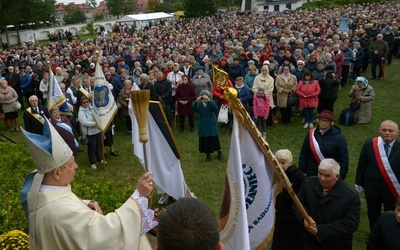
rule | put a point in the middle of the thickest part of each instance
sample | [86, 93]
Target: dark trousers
[325, 104]
[345, 74]
[375, 63]
[94, 148]
[365, 63]
[261, 124]
[182, 122]
[286, 114]
[128, 123]
[374, 208]
[356, 73]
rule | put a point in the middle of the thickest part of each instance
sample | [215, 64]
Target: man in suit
[378, 171]
[34, 116]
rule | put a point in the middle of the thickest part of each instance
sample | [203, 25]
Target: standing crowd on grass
[270, 58]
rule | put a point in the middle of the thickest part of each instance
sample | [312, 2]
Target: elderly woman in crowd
[123, 99]
[285, 86]
[89, 128]
[208, 131]
[202, 81]
[364, 94]
[8, 97]
[185, 95]
[286, 222]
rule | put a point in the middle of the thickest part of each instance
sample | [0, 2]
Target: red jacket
[308, 94]
[218, 92]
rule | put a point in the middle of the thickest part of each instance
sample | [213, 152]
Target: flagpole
[96, 58]
[48, 86]
[230, 95]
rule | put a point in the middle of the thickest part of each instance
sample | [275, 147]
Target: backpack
[347, 117]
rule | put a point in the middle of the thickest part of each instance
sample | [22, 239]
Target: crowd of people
[269, 59]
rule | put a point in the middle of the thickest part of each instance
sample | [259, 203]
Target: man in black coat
[333, 207]
[325, 141]
[385, 234]
[163, 89]
[378, 171]
[34, 116]
[145, 84]
[13, 79]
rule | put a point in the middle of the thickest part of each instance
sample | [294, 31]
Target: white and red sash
[384, 167]
[315, 147]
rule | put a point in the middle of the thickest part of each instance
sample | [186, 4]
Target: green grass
[111, 185]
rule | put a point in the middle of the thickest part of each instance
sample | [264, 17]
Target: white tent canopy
[144, 17]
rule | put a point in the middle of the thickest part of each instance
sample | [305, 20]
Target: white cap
[49, 151]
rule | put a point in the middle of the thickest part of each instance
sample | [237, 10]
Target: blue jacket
[348, 56]
[249, 80]
[25, 82]
[243, 95]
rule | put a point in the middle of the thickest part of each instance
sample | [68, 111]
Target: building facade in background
[272, 5]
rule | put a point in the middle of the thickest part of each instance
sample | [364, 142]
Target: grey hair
[127, 81]
[328, 164]
[144, 76]
[265, 67]
[284, 154]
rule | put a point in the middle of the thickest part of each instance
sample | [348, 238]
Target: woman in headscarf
[364, 94]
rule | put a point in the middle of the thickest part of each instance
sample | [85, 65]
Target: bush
[15, 164]
[15, 239]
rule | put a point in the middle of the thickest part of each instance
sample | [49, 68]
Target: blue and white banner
[104, 106]
[249, 212]
[57, 98]
[343, 25]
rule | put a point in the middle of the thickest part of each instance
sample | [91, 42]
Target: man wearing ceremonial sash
[378, 171]
[324, 141]
[34, 116]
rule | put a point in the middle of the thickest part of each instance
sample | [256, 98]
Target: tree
[121, 7]
[91, 3]
[27, 13]
[200, 8]
[98, 16]
[153, 5]
[89, 28]
[74, 14]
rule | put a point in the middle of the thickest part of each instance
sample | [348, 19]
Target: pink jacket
[308, 94]
[261, 106]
